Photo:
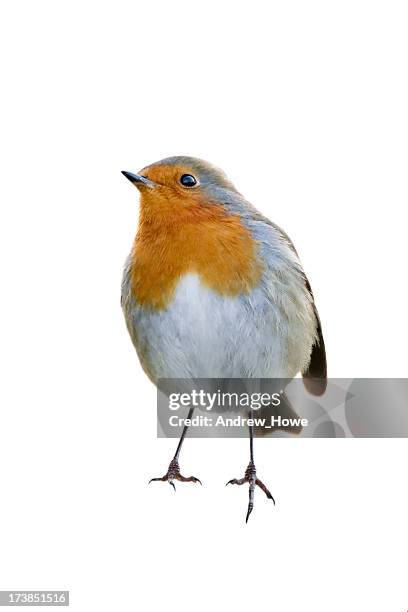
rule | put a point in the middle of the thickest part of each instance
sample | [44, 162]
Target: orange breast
[176, 238]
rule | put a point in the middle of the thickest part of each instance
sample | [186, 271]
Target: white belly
[202, 334]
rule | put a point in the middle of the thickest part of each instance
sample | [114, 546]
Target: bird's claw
[253, 481]
[173, 473]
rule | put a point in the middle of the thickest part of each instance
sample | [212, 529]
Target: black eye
[188, 180]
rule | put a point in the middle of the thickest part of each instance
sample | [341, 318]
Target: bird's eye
[188, 180]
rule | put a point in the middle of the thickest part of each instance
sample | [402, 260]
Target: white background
[304, 105]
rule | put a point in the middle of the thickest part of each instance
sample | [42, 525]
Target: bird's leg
[173, 472]
[250, 475]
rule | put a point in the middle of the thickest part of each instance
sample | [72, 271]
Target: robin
[213, 289]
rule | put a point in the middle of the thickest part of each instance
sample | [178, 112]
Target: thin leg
[251, 470]
[173, 472]
[183, 435]
[250, 475]
[251, 438]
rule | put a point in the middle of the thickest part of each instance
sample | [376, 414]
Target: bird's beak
[138, 180]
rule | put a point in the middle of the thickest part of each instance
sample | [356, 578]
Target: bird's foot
[253, 481]
[173, 473]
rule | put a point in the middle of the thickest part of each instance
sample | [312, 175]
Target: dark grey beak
[138, 180]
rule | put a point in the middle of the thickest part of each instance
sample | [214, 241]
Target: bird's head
[181, 187]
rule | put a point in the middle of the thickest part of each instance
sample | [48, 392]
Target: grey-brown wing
[315, 376]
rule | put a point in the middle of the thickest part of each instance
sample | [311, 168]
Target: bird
[212, 288]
